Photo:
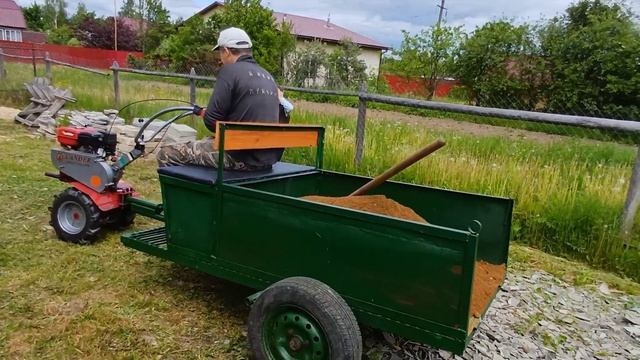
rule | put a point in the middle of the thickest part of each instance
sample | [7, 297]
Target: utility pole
[442, 9]
[115, 26]
[433, 80]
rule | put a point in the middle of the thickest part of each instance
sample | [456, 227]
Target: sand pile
[378, 204]
[486, 279]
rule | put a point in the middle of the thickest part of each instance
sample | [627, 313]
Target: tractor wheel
[75, 217]
[122, 218]
[302, 318]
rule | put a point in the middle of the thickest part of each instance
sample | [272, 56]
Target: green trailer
[319, 269]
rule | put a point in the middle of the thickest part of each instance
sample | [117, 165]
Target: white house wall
[371, 58]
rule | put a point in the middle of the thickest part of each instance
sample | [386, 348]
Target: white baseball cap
[234, 38]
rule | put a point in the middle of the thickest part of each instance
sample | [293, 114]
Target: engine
[87, 140]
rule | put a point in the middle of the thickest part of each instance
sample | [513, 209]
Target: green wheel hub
[291, 333]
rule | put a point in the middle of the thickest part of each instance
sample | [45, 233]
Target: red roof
[311, 28]
[11, 15]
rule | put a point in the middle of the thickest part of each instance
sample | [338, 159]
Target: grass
[569, 193]
[62, 301]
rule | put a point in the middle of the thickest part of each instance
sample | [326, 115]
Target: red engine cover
[68, 136]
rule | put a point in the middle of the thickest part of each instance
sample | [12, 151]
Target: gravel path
[435, 123]
[537, 316]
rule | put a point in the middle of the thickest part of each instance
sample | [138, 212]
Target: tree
[344, 70]
[593, 52]
[501, 66]
[54, 14]
[306, 63]
[60, 35]
[61, 13]
[80, 15]
[428, 54]
[33, 15]
[156, 25]
[189, 47]
[98, 33]
[129, 9]
[271, 43]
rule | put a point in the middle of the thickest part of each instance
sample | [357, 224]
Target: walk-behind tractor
[320, 270]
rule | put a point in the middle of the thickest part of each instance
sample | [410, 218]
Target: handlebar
[186, 111]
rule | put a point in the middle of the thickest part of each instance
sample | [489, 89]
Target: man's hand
[199, 111]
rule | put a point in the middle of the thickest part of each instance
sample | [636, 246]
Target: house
[12, 22]
[308, 29]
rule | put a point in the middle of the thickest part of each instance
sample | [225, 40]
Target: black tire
[326, 310]
[66, 206]
[121, 218]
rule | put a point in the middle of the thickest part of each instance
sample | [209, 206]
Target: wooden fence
[364, 97]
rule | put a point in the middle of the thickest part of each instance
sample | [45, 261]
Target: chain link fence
[569, 175]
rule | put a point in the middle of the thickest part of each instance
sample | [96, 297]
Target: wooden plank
[30, 89]
[39, 92]
[56, 106]
[268, 139]
[267, 136]
[632, 201]
[42, 102]
[33, 109]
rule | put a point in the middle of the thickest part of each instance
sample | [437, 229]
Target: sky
[382, 20]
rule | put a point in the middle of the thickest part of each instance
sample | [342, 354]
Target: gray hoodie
[245, 92]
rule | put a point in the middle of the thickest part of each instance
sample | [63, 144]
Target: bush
[460, 93]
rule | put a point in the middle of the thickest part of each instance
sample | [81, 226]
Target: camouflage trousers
[200, 152]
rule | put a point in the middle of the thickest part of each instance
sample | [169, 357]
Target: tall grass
[569, 193]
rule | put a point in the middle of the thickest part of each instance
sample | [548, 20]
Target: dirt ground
[435, 123]
[7, 113]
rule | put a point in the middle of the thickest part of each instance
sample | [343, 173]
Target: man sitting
[243, 92]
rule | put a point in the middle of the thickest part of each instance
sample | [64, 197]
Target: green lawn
[64, 301]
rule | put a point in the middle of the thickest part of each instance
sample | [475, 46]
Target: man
[243, 92]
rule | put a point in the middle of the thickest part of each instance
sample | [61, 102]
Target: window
[10, 34]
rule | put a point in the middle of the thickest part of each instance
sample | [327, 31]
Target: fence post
[2, 73]
[33, 61]
[116, 82]
[192, 86]
[47, 65]
[362, 116]
[633, 198]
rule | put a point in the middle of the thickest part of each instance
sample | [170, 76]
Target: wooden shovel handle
[424, 152]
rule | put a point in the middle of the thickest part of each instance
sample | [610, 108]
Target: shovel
[395, 169]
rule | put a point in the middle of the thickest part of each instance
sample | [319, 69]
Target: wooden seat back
[244, 136]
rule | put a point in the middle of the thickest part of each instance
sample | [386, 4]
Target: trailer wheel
[302, 318]
[75, 217]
